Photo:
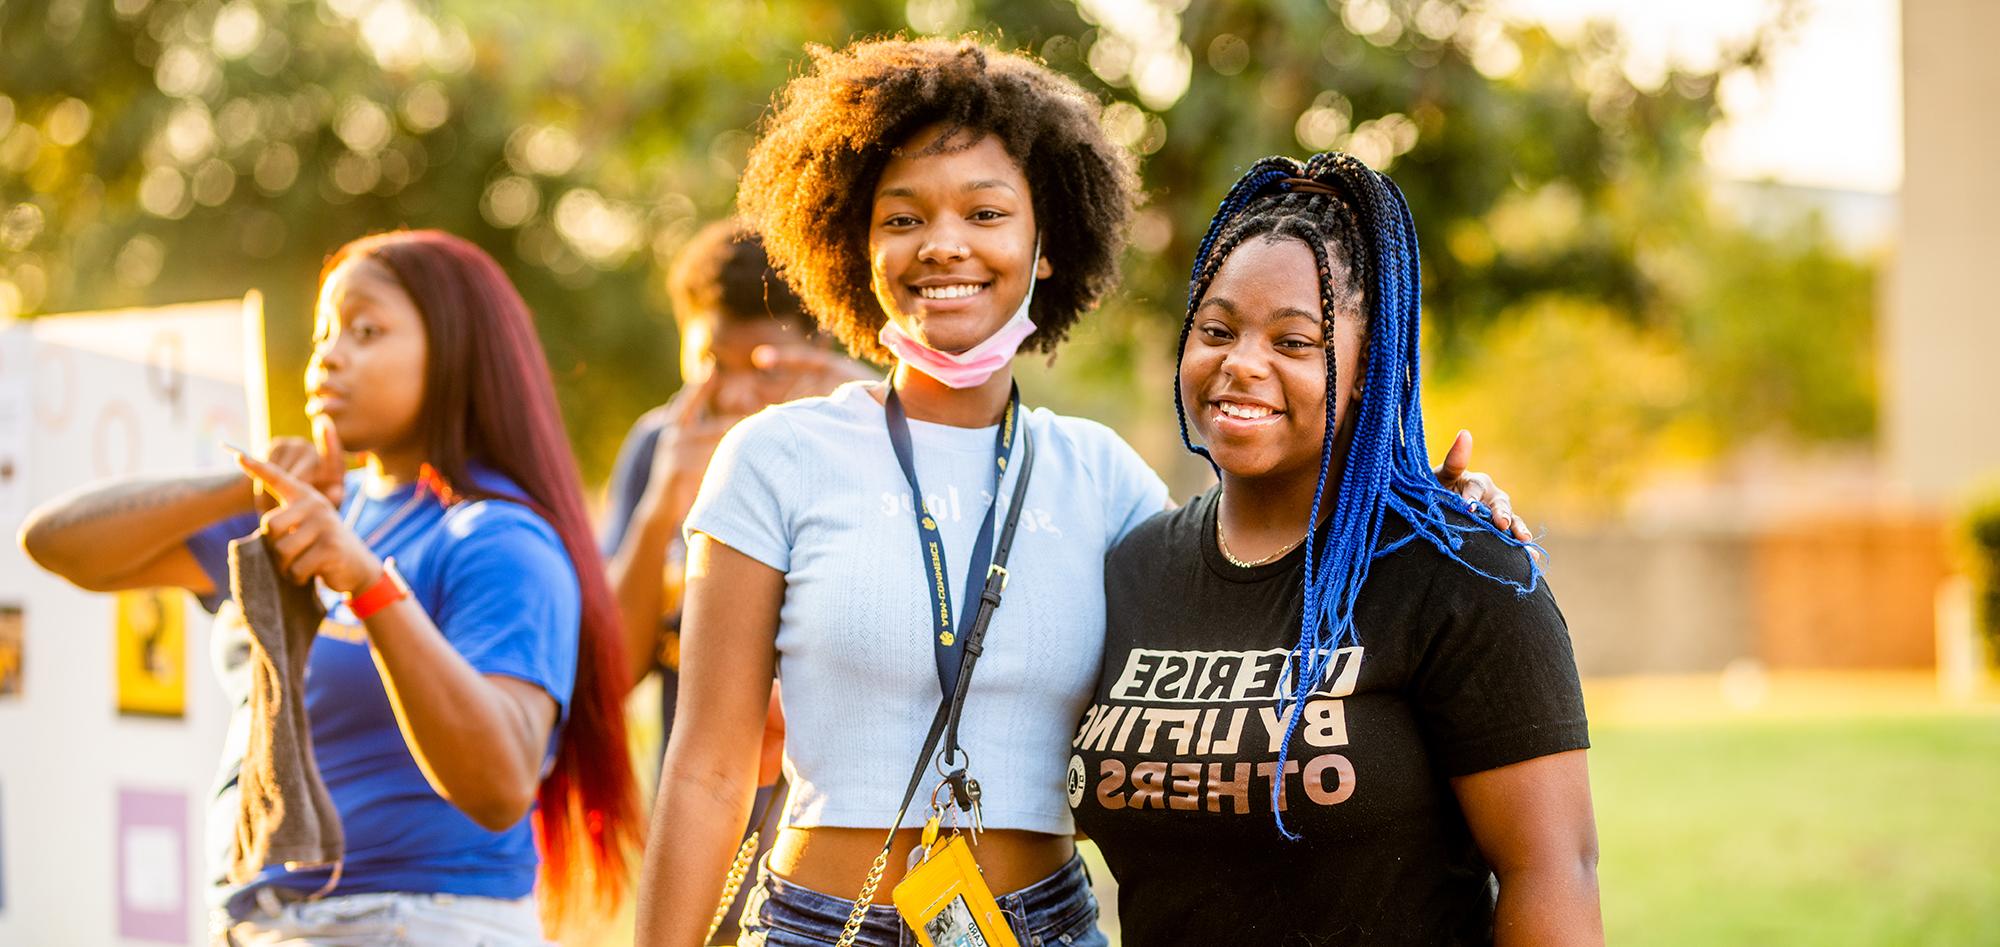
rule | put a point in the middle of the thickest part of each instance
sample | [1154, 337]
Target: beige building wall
[1941, 365]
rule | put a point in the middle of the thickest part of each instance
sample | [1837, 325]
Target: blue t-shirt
[495, 579]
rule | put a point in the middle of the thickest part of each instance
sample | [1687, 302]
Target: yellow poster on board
[152, 652]
[11, 635]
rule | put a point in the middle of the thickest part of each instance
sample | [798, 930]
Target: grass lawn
[1830, 810]
[1823, 831]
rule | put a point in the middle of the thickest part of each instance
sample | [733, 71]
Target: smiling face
[951, 239]
[366, 373]
[1253, 375]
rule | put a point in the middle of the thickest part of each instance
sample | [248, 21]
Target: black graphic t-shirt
[1176, 758]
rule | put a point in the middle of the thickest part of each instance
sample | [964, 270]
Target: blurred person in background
[464, 689]
[745, 343]
[1327, 640]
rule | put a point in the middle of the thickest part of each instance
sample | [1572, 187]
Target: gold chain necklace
[1223, 545]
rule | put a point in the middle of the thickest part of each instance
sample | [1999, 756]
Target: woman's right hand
[320, 463]
[308, 536]
[681, 456]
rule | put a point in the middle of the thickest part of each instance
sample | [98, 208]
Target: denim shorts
[385, 920]
[1057, 910]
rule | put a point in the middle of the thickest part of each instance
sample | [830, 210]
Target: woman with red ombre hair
[468, 673]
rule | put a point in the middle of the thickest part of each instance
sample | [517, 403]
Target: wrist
[386, 589]
[661, 510]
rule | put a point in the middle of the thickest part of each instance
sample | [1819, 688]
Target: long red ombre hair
[488, 398]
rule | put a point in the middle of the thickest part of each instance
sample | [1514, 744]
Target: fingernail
[763, 356]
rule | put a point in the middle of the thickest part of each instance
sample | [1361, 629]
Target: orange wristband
[387, 590]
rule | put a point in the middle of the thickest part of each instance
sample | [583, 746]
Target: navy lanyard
[948, 644]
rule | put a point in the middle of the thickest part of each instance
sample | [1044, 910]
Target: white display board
[111, 721]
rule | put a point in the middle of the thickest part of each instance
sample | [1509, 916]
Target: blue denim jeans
[386, 920]
[1057, 910]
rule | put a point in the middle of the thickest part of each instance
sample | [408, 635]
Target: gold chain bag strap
[745, 854]
[949, 708]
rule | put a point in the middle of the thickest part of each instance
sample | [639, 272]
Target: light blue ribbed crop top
[812, 489]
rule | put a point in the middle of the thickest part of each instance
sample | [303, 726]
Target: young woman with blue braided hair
[1327, 640]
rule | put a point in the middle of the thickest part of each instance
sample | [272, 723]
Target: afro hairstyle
[810, 181]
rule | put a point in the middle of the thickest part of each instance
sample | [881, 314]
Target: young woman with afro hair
[938, 206]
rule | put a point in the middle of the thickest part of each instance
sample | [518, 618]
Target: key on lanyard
[965, 791]
[972, 796]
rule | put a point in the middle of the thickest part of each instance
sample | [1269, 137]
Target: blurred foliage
[1589, 307]
[1599, 398]
[1751, 339]
[1979, 541]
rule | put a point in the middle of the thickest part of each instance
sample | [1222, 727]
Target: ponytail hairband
[1309, 186]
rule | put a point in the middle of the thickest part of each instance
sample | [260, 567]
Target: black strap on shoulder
[949, 643]
[989, 596]
[947, 716]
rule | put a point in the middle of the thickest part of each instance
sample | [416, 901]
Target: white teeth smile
[954, 291]
[1243, 412]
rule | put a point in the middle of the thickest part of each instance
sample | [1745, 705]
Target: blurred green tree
[181, 151]
[163, 150]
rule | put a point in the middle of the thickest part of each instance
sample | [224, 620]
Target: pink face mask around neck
[968, 369]
[972, 367]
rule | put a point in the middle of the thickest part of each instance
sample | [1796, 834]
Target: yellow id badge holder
[945, 900]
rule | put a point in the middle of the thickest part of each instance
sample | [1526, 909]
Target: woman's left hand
[1479, 487]
[306, 532]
